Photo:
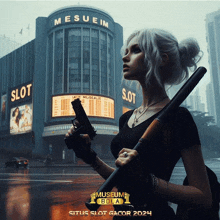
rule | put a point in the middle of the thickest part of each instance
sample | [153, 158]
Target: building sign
[83, 18]
[21, 119]
[3, 106]
[128, 96]
[21, 93]
[96, 106]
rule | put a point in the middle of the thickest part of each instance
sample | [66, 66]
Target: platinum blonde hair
[181, 56]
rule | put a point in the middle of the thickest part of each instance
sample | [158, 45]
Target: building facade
[213, 36]
[76, 54]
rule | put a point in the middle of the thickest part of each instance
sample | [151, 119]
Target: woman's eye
[137, 50]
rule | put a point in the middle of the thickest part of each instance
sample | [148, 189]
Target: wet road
[58, 193]
[47, 193]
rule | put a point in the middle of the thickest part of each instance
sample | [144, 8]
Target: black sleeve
[186, 132]
[123, 119]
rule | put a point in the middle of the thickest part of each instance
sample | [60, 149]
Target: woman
[15, 120]
[154, 59]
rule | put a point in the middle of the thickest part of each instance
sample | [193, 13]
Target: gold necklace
[146, 108]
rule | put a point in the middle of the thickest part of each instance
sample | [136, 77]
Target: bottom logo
[110, 198]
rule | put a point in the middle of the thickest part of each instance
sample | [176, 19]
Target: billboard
[3, 106]
[21, 119]
[94, 105]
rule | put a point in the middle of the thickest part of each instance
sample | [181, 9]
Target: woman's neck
[153, 94]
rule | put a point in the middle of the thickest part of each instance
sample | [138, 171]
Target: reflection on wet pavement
[18, 197]
[26, 199]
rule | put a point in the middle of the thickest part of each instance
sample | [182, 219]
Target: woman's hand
[85, 137]
[81, 144]
[129, 158]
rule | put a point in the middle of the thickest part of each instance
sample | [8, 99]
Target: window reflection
[103, 57]
[95, 61]
[58, 62]
[74, 59]
[89, 55]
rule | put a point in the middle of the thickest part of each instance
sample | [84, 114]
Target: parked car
[17, 162]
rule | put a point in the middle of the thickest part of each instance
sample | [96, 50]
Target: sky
[182, 18]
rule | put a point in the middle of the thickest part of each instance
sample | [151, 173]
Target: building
[210, 100]
[76, 54]
[213, 36]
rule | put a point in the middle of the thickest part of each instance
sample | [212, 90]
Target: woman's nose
[125, 58]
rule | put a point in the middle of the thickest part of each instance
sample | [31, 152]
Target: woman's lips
[125, 68]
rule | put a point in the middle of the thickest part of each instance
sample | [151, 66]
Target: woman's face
[134, 67]
[16, 112]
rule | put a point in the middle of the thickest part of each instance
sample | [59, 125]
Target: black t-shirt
[160, 156]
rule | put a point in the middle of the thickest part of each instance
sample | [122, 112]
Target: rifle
[151, 132]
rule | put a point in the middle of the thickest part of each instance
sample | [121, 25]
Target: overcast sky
[182, 18]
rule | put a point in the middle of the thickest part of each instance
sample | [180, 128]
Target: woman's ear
[165, 59]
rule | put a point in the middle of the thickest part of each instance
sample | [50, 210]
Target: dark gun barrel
[152, 130]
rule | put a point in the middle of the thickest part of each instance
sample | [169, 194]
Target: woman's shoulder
[124, 118]
[183, 114]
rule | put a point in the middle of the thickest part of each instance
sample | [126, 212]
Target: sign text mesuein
[84, 18]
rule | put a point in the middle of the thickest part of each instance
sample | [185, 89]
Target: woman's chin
[128, 76]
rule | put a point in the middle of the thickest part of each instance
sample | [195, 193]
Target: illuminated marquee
[96, 106]
[21, 93]
[84, 18]
[128, 96]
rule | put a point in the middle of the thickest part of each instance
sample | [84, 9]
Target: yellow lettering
[134, 95]
[76, 18]
[13, 95]
[124, 94]
[129, 96]
[17, 97]
[67, 18]
[94, 20]
[105, 24]
[23, 92]
[29, 89]
[57, 21]
[85, 19]
[98, 194]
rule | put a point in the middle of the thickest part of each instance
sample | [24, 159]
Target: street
[56, 193]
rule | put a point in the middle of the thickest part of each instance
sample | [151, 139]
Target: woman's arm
[103, 169]
[198, 191]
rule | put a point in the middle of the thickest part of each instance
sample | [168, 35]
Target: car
[17, 162]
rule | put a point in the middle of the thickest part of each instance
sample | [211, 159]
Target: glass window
[58, 62]
[110, 67]
[95, 61]
[86, 59]
[74, 59]
[103, 56]
[50, 62]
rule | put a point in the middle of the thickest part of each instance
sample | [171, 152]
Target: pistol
[84, 126]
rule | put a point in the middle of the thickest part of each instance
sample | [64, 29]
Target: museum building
[75, 54]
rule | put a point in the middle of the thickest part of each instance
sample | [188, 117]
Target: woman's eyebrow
[131, 47]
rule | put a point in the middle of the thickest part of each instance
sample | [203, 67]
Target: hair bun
[189, 53]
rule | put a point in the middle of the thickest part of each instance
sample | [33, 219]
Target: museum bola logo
[110, 198]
